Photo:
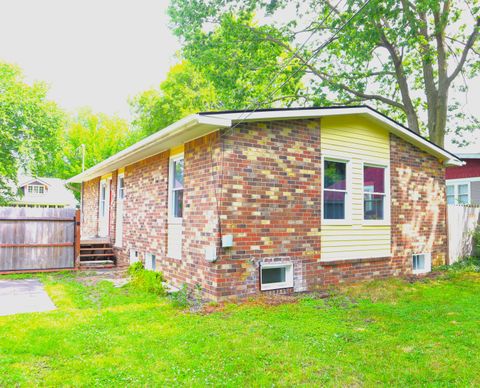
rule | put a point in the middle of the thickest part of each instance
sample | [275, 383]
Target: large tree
[205, 80]
[404, 56]
[184, 91]
[29, 128]
[101, 135]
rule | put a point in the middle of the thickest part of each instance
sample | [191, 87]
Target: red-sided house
[463, 182]
[286, 199]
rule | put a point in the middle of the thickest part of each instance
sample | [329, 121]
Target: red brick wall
[145, 208]
[89, 217]
[145, 225]
[418, 204]
[271, 203]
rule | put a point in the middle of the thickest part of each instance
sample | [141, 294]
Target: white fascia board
[462, 180]
[389, 124]
[468, 156]
[184, 130]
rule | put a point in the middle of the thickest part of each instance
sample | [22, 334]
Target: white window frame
[428, 264]
[148, 259]
[102, 204]
[348, 192]
[387, 196]
[288, 283]
[456, 183]
[34, 190]
[171, 189]
[134, 256]
[121, 190]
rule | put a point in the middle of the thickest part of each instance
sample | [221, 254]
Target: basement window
[133, 256]
[275, 276]
[421, 263]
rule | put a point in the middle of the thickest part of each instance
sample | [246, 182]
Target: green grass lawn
[385, 332]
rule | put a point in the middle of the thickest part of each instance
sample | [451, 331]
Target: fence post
[77, 239]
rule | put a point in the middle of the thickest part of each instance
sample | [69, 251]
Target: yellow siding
[359, 141]
[177, 150]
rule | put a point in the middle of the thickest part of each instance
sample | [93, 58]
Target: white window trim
[134, 256]
[455, 183]
[288, 283]
[102, 210]
[173, 159]
[122, 175]
[428, 264]
[387, 200]
[148, 257]
[348, 196]
[34, 193]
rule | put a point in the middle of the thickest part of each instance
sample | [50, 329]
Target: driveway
[23, 296]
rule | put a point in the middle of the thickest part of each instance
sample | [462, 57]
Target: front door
[119, 217]
[104, 208]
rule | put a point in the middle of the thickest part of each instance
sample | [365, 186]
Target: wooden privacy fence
[462, 222]
[38, 238]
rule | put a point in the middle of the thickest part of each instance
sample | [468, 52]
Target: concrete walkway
[23, 296]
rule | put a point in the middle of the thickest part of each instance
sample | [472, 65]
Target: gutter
[156, 139]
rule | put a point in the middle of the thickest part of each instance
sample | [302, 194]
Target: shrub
[144, 280]
[135, 268]
[476, 242]
[467, 264]
[180, 298]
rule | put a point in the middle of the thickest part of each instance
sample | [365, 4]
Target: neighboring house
[463, 182]
[43, 192]
[239, 202]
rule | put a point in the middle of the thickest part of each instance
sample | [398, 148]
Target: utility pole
[83, 157]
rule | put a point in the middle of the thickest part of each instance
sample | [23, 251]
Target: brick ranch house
[241, 202]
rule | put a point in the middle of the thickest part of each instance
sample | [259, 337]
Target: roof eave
[186, 129]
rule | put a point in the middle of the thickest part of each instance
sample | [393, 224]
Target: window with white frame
[150, 261]
[458, 193]
[36, 189]
[421, 263]
[335, 190]
[176, 186]
[121, 187]
[374, 192]
[133, 256]
[276, 275]
[103, 198]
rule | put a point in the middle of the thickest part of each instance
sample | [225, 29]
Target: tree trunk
[438, 130]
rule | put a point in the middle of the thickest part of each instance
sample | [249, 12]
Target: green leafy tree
[404, 56]
[204, 80]
[29, 128]
[101, 134]
[184, 91]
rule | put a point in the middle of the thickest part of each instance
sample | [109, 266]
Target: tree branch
[466, 49]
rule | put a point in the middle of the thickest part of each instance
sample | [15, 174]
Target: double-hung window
[176, 187]
[458, 193]
[335, 190]
[374, 193]
[121, 187]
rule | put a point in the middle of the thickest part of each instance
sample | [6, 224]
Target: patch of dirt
[118, 277]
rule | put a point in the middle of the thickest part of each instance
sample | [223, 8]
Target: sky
[91, 52]
[100, 53]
